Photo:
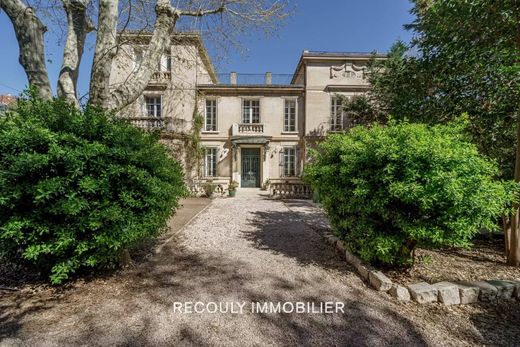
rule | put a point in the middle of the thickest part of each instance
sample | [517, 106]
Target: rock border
[446, 293]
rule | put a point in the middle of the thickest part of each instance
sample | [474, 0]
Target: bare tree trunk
[78, 26]
[29, 32]
[513, 258]
[104, 54]
[129, 91]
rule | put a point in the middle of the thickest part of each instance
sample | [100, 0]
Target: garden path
[244, 249]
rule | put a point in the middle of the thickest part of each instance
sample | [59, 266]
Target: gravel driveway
[245, 249]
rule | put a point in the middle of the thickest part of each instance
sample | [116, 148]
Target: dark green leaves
[390, 188]
[76, 188]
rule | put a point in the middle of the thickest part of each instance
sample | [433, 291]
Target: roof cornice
[334, 56]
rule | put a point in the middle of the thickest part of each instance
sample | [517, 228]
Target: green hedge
[389, 189]
[77, 188]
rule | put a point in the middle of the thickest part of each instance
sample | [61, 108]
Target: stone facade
[257, 128]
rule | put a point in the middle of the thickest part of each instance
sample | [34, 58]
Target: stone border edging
[447, 293]
[188, 223]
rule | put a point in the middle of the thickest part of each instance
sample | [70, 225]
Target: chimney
[233, 78]
[268, 78]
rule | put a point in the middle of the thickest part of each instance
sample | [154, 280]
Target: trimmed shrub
[77, 188]
[389, 189]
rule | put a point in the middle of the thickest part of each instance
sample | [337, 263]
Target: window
[336, 114]
[251, 111]
[210, 119]
[289, 162]
[289, 122]
[209, 164]
[165, 63]
[153, 106]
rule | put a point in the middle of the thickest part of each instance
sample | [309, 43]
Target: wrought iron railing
[251, 79]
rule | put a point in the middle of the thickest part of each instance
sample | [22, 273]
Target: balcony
[248, 129]
[160, 78]
[149, 122]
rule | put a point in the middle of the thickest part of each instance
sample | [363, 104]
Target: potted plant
[266, 185]
[232, 189]
[209, 189]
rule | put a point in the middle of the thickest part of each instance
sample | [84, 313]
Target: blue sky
[322, 25]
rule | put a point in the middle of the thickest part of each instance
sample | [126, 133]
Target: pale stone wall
[323, 84]
[189, 83]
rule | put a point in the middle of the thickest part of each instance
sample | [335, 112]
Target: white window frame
[336, 107]
[210, 162]
[286, 122]
[289, 168]
[248, 118]
[211, 126]
[156, 111]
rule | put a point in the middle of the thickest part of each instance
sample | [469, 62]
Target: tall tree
[464, 58]
[107, 19]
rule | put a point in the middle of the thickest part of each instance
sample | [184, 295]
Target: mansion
[256, 129]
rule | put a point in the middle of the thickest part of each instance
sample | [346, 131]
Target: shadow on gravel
[286, 233]
[135, 308]
[498, 324]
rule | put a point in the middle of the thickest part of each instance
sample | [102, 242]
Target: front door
[250, 167]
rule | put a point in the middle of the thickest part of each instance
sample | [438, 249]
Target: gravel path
[245, 249]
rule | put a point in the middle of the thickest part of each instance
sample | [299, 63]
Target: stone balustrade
[248, 129]
[291, 190]
[148, 122]
[160, 76]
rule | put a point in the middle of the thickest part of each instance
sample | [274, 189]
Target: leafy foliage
[388, 189]
[77, 188]
[464, 59]
[360, 110]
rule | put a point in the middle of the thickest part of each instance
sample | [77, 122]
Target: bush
[77, 188]
[389, 189]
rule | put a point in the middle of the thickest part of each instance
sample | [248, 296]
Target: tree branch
[201, 12]
[29, 32]
[129, 91]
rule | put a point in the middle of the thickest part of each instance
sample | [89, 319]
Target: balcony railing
[234, 78]
[161, 77]
[248, 129]
[291, 190]
[149, 122]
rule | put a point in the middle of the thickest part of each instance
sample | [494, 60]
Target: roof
[324, 55]
[7, 100]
